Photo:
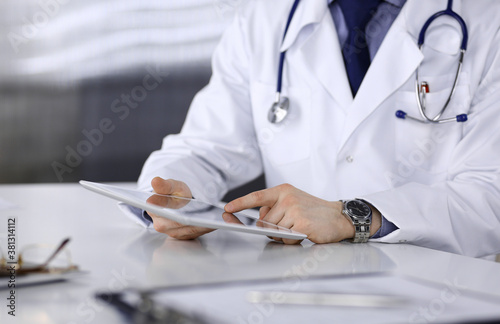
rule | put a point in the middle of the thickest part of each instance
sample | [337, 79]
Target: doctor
[340, 155]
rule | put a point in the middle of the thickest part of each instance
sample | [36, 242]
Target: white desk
[118, 254]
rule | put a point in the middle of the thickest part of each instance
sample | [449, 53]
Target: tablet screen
[192, 211]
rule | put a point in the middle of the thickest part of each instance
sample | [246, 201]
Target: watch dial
[358, 208]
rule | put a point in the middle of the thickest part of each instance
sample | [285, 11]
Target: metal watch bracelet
[362, 229]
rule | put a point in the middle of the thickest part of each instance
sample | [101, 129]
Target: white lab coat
[438, 183]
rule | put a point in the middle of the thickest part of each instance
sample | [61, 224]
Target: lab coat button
[349, 159]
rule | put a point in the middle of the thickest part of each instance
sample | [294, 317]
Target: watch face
[358, 208]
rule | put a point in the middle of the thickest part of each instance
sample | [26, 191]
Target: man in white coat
[433, 185]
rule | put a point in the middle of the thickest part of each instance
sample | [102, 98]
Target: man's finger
[275, 215]
[291, 241]
[231, 219]
[187, 232]
[177, 230]
[266, 197]
[286, 222]
[263, 212]
[162, 186]
[170, 187]
[162, 224]
[167, 202]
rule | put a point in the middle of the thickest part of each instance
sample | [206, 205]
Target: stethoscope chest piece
[279, 110]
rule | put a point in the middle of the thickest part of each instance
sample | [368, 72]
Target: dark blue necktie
[357, 14]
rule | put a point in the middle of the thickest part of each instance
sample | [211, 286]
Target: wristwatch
[360, 214]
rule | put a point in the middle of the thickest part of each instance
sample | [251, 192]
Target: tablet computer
[191, 211]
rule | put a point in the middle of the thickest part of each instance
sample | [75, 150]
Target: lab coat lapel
[321, 51]
[395, 62]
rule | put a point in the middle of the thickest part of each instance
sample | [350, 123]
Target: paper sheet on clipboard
[427, 302]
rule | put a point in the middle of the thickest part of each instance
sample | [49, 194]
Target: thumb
[162, 186]
[170, 187]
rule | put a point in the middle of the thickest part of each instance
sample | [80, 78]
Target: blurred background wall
[88, 89]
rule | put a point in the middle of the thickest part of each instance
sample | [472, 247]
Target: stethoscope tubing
[420, 96]
[421, 99]
[447, 12]
[283, 54]
[280, 105]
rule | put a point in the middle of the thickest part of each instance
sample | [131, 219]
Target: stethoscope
[279, 109]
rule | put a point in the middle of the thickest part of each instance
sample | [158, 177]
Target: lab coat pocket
[426, 149]
[288, 141]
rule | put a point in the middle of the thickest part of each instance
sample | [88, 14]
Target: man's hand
[284, 205]
[167, 226]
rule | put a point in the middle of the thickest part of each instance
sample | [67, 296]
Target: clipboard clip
[140, 308]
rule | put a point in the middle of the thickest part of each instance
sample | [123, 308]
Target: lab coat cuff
[402, 232]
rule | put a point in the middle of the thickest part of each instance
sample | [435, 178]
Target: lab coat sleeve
[461, 214]
[217, 148]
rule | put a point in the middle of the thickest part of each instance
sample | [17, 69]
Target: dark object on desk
[142, 309]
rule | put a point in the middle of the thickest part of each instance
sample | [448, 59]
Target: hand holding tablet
[191, 212]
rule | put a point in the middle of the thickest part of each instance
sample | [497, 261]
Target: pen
[325, 299]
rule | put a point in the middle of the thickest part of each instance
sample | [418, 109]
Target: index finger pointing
[266, 197]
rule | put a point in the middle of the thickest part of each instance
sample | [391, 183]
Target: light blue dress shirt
[375, 32]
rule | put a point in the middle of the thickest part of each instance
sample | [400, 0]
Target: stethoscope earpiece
[462, 118]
